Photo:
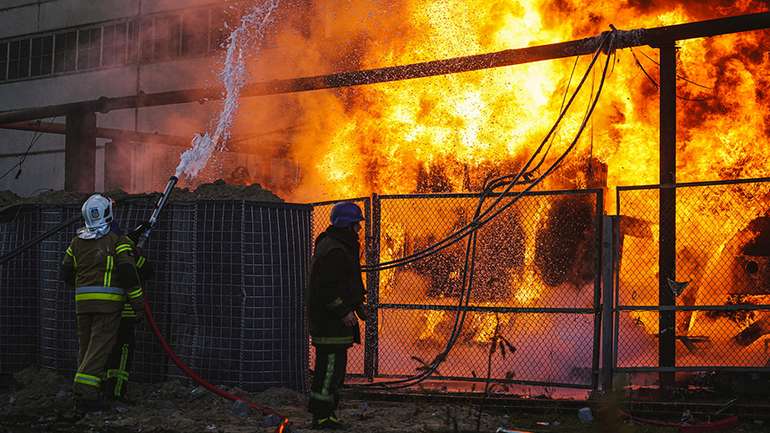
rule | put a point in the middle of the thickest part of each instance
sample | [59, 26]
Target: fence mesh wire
[19, 300]
[722, 284]
[535, 283]
[230, 278]
[227, 293]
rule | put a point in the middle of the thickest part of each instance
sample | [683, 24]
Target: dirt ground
[41, 401]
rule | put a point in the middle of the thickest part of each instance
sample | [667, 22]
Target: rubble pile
[217, 190]
[220, 190]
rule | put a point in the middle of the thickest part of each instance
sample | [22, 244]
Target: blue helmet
[345, 214]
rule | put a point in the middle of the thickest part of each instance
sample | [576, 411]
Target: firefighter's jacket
[103, 273]
[145, 271]
[335, 288]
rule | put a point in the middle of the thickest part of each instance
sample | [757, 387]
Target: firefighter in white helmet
[99, 264]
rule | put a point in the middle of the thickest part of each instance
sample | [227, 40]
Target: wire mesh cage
[227, 292]
[19, 291]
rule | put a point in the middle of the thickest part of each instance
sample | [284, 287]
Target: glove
[350, 320]
[139, 231]
[361, 312]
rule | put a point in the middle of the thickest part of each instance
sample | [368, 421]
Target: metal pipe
[477, 62]
[106, 133]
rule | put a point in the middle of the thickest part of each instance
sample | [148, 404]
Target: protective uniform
[99, 264]
[120, 360]
[335, 290]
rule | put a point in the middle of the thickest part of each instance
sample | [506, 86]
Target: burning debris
[566, 244]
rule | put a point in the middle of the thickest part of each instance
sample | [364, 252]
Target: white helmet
[97, 214]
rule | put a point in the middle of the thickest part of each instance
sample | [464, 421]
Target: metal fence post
[608, 292]
[667, 238]
[597, 301]
[371, 348]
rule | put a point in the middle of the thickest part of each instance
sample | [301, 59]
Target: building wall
[172, 44]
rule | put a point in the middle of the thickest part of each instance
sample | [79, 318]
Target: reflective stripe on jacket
[93, 265]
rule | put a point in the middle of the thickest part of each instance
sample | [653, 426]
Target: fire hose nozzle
[172, 181]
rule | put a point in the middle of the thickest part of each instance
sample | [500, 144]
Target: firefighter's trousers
[119, 362]
[328, 377]
[97, 333]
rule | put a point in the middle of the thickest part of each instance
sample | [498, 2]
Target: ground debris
[180, 406]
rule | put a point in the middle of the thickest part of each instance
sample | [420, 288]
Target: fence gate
[537, 281]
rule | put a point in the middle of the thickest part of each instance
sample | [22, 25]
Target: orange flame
[450, 133]
[380, 138]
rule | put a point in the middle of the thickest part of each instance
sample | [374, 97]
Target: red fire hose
[705, 427]
[282, 427]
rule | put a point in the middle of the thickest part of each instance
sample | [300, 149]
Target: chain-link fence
[536, 284]
[229, 286]
[227, 292]
[720, 316]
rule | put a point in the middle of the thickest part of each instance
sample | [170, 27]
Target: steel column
[667, 212]
[80, 152]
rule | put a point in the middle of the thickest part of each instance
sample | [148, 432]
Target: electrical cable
[657, 85]
[681, 77]
[466, 230]
[469, 267]
[35, 137]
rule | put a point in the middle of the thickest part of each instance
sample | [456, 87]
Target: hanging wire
[478, 221]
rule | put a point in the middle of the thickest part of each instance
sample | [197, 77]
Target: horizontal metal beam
[106, 133]
[236, 144]
[624, 39]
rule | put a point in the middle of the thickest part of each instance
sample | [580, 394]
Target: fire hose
[705, 427]
[195, 377]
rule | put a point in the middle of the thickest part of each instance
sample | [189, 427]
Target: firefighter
[120, 360]
[335, 303]
[99, 264]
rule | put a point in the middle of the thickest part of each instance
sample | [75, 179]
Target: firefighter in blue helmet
[335, 304]
[99, 265]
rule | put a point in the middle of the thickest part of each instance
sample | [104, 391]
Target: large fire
[450, 133]
[457, 129]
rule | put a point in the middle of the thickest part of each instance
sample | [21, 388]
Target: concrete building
[61, 51]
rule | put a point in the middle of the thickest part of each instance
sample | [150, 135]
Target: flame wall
[456, 130]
